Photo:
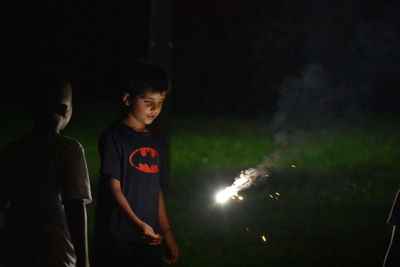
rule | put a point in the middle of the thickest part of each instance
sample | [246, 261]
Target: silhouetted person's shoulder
[44, 140]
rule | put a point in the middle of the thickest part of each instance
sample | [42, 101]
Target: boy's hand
[149, 236]
[173, 251]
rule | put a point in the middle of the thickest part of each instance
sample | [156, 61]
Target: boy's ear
[126, 99]
[61, 109]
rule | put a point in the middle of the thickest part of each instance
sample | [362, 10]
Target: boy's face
[67, 103]
[146, 107]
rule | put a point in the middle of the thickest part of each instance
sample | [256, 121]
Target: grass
[332, 206]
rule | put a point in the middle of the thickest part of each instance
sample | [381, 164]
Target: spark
[277, 193]
[293, 166]
[247, 229]
[264, 238]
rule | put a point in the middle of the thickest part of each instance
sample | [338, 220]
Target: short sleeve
[394, 217]
[75, 178]
[110, 157]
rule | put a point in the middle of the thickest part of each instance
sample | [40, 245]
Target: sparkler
[243, 181]
[248, 178]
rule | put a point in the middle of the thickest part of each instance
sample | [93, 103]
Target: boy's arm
[150, 237]
[166, 232]
[75, 211]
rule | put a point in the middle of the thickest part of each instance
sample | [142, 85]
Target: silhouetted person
[44, 185]
[392, 258]
[131, 218]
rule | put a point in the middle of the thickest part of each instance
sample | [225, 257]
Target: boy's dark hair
[143, 77]
[47, 90]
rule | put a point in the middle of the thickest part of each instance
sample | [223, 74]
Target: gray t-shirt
[38, 173]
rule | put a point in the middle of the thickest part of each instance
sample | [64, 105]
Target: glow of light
[243, 181]
[293, 166]
[222, 196]
[264, 238]
[247, 229]
[277, 193]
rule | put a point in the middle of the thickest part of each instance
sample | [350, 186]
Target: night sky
[232, 58]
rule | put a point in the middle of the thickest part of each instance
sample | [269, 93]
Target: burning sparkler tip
[222, 197]
[244, 180]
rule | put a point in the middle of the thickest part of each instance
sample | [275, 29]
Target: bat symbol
[145, 159]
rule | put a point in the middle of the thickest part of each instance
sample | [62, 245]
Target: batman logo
[145, 159]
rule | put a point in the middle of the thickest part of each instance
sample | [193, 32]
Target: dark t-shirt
[139, 163]
[38, 173]
[394, 217]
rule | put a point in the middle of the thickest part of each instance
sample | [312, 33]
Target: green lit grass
[332, 206]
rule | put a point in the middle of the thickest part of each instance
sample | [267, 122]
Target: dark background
[232, 58]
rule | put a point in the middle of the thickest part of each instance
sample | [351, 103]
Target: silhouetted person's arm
[75, 211]
[392, 258]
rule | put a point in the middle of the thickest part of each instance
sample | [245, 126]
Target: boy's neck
[48, 127]
[134, 124]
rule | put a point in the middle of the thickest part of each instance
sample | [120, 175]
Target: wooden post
[160, 54]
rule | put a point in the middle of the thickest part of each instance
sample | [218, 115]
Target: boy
[44, 185]
[131, 219]
[393, 253]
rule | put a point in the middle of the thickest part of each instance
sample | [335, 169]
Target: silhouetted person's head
[51, 100]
